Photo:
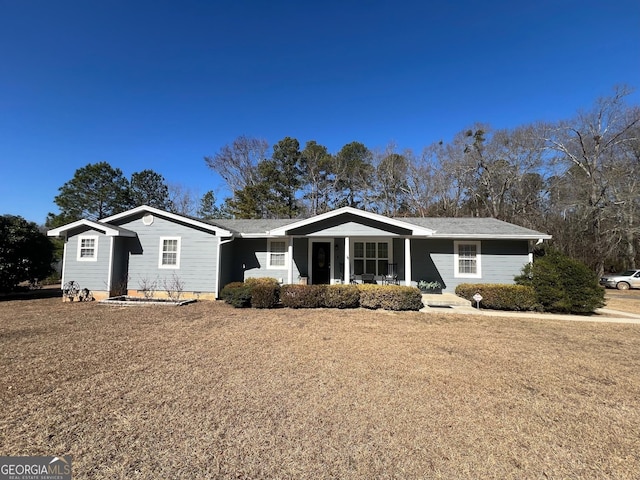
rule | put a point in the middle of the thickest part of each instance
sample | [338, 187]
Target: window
[88, 248]
[466, 258]
[370, 257]
[169, 252]
[276, 254]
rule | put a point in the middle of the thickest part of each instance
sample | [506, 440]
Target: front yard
[208, 391]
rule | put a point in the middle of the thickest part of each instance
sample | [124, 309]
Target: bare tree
[592, 146]
[183, 200]
[237, 163]
[390, 185]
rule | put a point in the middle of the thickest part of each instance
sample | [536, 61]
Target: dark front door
[321, 263]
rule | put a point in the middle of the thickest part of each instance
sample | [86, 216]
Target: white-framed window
[370, 257]
[169, 252]
[88, 248]
[276, 254]
[467, 259]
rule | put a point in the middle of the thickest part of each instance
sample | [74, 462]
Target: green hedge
[266, 293]
[498, 296]
[563, 284]
[390, 297]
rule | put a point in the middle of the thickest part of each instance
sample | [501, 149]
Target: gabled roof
[413, 228]
[172, 216]
[109, 230]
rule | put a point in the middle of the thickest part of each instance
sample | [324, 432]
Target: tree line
[577, 179]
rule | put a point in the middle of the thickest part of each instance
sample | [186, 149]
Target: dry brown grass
[624, 300]
[206, 391]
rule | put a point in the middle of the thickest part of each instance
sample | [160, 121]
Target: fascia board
[173, 216]
[415, 229]
[108, 230]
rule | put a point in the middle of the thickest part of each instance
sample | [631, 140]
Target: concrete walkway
[450, 303]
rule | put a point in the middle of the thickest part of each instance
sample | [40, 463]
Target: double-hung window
[276, 254]
[467, 259]
[370, 257]
[169, 252]
[88, 248]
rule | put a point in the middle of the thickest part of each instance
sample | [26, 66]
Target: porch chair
[391, 277]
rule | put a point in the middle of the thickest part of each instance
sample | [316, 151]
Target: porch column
[290, 255]
[347, 266]
[407, 262]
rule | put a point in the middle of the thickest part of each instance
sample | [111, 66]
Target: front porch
[335, 260]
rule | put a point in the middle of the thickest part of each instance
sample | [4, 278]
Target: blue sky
[161, 84]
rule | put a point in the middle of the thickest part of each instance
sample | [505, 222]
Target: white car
[622, 281]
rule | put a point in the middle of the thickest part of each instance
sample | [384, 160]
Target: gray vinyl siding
[247, 258]
[198, 255]
[501, 261]
[250, 255]
[87, 274]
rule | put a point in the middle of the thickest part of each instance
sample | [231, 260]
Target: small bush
[264, 294]
[500, 296]
[303, 296]
[341, 296]
[563, 284]
[390, 297]
[237, 294]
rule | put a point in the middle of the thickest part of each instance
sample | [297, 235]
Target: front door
[321, 263]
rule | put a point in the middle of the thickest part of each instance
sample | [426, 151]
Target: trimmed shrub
[501, 296]
[302, 296]
[265, 294]
[237, 294]
[563, 284]
[390, 297]
[341, 296]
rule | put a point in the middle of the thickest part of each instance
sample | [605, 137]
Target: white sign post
[478, 298]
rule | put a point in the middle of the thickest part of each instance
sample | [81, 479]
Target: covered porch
[350, 246]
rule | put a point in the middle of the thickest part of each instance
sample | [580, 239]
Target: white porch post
[347, 266]
[407, 262]
[290, 256]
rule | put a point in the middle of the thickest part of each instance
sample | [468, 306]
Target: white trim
[414, 229]
[173, 216]
[290, 255]
[64, 263]
[285, 253]
[311, 241]
[407, 261]
[490, 236]
[456, 263]
[94, 257]
[161, 251]
[347, 260]
[110, 271]
[365, 240]
[108, 230]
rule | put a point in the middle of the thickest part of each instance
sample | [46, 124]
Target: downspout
[540, 240]
[219, 270]
[64, 261]
[110, 271]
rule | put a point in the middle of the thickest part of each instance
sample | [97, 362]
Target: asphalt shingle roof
[443, 226]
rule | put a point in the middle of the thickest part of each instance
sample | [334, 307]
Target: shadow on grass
[51, 291]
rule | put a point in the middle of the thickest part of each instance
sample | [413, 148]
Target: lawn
[207, 391]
